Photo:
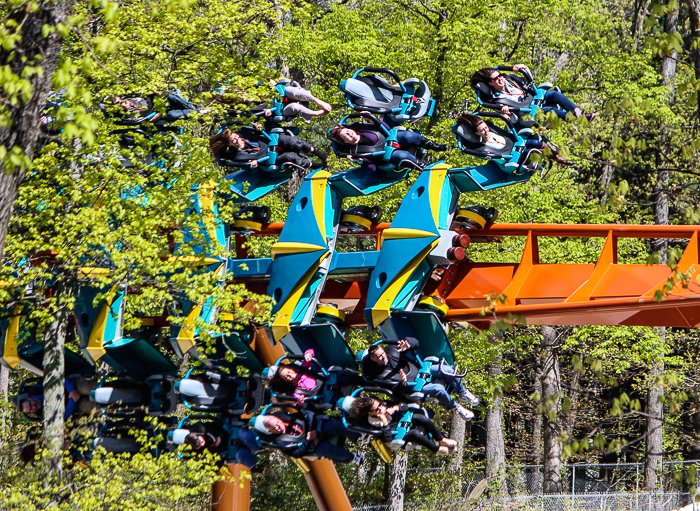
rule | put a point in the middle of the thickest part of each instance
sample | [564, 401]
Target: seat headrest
[177, 436]
[483, 87]
[258, 423]
[345, 403]
[269, 372]
[467, 133]
[194, 388]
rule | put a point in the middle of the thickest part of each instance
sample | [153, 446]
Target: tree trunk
[4, 389]
[694, 15]
[495, 443]
[668, 64]
[22, 131]
[551, 398]
[54, 377]
[655, 432]
[533, 475]
[398, 481]
[458, 427]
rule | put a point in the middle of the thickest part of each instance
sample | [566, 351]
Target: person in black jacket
[514, 88]
[393, 364]
[295, 435]
[421, 431]
[248, 144]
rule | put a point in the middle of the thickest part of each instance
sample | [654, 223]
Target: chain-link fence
[601, 487]
[522, 480]
[590, 502]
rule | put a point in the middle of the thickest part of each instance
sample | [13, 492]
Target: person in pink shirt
[302, 382]
[295, 380]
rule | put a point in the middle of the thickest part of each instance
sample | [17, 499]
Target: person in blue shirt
[31, 401]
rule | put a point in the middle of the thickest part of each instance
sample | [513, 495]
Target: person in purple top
[362, 133]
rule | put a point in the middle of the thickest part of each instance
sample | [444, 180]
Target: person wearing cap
[294, 434]
[393, 364]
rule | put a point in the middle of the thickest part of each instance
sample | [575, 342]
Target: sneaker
[448, 442]
[591, 116]
[466, 414]
[577, 112]
[358, 460]
[468, 397]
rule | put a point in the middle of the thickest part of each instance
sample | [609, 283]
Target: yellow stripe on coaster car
[196, 260]
[319, 183]
[480, 220]
[95, 347]
[437, 178]
[382, 309]
[87, 271]
[185, 339]
[294, 247]
[247, 224]
[280, 326]
[401, 233]
[356, 220]
[11, 353]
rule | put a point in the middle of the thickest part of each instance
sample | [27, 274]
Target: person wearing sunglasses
[515, 88]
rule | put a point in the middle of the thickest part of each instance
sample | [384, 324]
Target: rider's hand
[308, 356]
[404, 378]
[403, 345]
[74, 395]
[519, 67]
[392, 410]
[311, 435]
[505, 111]
[254, 163]
[300, 400]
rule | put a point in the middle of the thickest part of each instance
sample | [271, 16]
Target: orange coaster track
[603, 293]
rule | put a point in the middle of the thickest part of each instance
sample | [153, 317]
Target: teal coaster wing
[138, 356]
[424, 326]
[327, 342]
[250, 184]
[485, 177]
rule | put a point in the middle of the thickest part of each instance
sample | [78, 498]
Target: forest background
[552, 395]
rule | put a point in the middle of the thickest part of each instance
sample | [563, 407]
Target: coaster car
[327, 390]
[379, 153]
[406, 101]
[133, 395]
[215, 392]
[523, 112]
[510, 157]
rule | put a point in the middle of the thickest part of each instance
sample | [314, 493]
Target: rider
[227, 145]
[496, 141]
[31, 401]
[356, 134]
[394, 365]
[296, 109]
[379, 416]
[294, 435]
[514, 87]
[295, 379]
